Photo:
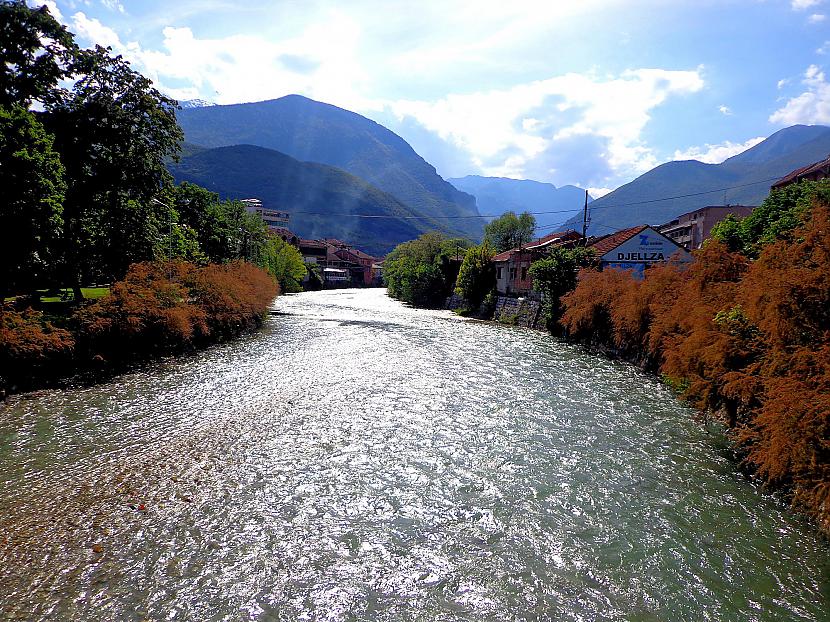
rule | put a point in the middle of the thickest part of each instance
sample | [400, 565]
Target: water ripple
[358, 460]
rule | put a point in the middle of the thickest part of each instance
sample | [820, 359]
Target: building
[636, 248]
[274, 219]
[512, 267]
[689, 230]
[811, 172]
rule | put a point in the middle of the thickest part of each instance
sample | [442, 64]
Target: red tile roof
[566, 235]
[613, 240]
[804, 170]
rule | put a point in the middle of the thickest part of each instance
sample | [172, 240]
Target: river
[359, 460]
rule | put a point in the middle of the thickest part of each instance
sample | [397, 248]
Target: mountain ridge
[312, 131]
[677, 187]
[496, 195]
[318, 196]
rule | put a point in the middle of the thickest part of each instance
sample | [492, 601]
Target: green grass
[65, 295]
[90, 293]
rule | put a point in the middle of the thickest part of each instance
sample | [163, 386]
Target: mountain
[743, 179]
[496, 195]
[195, 103]
[312, 131]
[317, 195]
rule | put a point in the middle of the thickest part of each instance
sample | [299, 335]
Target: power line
[543, 213]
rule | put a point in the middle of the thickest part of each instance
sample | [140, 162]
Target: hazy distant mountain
[742, 179]
[311, 131]
[496, 195]
[326, 192]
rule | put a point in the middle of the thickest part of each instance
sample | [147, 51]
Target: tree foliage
[780, 213]
[36, 52]
[555, 275]
[477, 275]
[115, 134]
[31, 176]
[421, 272]
[285, 263]
[510, 231]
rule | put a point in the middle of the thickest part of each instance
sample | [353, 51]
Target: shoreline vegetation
[742, 334]
[158, 309]
[87, 198]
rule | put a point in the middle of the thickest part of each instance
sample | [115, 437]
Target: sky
[591, 93]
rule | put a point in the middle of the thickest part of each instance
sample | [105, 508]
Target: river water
[359, 460]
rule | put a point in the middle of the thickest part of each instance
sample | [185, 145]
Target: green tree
[31, 176]
[36, 52]
[285, 263]
[423, 272]
[510, 231]
[115, 134]
[781, 213]
[477, 276]
[555, 275]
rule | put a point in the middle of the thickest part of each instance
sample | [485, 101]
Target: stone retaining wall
[519, 311]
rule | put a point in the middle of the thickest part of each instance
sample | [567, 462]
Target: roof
[566, 235]
[611, 241]
[312, 244]
[336, 242]
[282, 231]
[804, 170]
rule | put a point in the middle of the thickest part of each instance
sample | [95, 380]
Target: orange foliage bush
[170, 306]
[29, 344]
[749, 341]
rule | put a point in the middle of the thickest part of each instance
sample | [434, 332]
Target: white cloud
[816, 18]
[782, 83]
[505, 130]
[51, 5]
[824, 48]
[319, 62]
[95, 32]
[803, 5]
[715, 154]
[598, 192]
[812, 106]
[726, 110]
[113, 5]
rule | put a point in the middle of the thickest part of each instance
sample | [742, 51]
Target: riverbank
[158, 309]
[747, 341]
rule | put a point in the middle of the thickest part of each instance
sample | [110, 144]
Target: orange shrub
[29, 343]
[747, 340]
[170, 306]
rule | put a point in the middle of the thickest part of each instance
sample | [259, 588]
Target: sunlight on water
[358, 460]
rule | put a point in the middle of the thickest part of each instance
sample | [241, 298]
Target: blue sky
[591, 93]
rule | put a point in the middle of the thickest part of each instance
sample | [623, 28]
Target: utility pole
[585, 221]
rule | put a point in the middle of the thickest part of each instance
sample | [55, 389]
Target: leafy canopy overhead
[36, 52]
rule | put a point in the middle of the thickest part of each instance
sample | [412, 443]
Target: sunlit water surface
[358, 460]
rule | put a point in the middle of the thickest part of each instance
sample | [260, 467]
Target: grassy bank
[157, 309]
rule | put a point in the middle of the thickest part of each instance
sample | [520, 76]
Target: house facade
[637, 248]
[691, 229]
[513, 266]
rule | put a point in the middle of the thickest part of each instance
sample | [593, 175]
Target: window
[524, 273]
[498, 273]
[512, 273]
